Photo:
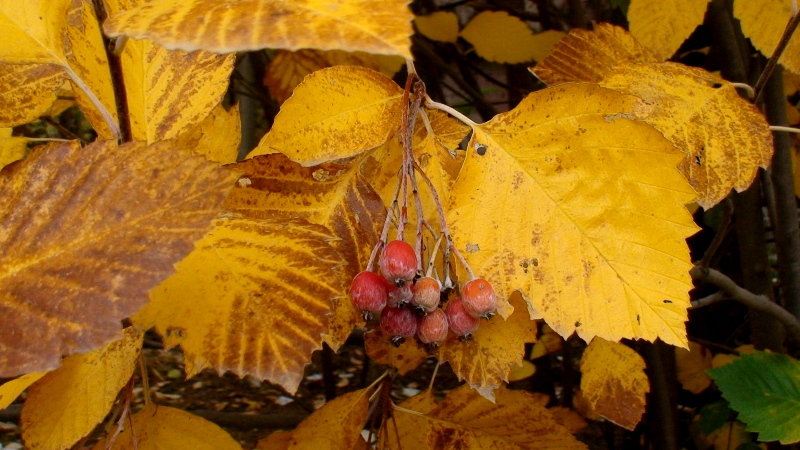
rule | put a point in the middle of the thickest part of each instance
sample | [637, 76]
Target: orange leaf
[85, 234]
[692, 365]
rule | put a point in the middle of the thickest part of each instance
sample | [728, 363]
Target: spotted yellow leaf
[662, 26]
[217, 137]
[252, 298]
[582, 209]
[67, 403]
[725, 138]
[335, 113]
[613, 381]
[763, 23]
[27, 91]
[374, 26]
[11, 148]
[288, 68]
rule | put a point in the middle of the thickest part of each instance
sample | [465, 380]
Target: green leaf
[713, 416]
[764, 388]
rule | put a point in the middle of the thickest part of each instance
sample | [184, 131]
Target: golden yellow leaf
[337, 425]
[65, 100]
[548, 342]
[692, 365]
[613, 382]
[251, 299]
[569, 418]
[278, 440]
[335, 196]
[161, 427]
[288, 68]
[440, 26]
[374, 26]
[86, 54]
[217, 137]
[67, 403]
[527, 369]
[170, 91]
[663, 26]
[582, 209]
[85, 234]
[763, 22]
[27, 91]
[498, 346]
[544, 42]
[36, 31]
[335, 113]
[11, 148]
[464, 419]
[500, 37]
[404, 358]
[10, 390]
[725, 138]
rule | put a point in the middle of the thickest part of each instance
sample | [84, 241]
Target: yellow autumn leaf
[10, 390]
[337, 425]
[548, 342]
[278, 440]
[440, 26]
[86, 54]
[252, 298]
[763, 22]
[464, 419]
[692, 365]
[217, 137]
[161, 427]
[11, 148]
[67, 403]
[568, 200]
[613, 381]
[287, 69]
[404, 358]
[35, 32]
[569, 418]
[335, 113]
[65, 100]
[662, 26]
[85, 233]
[527, 369]
[498, 346]
[333, 195]
[544, 42]
[242, 25]
[725, 138]
[721, 359]
[27, 91]
[500, 37]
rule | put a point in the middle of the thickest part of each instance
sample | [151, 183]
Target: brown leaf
[333, 195]
[27, 91]
[85, 234]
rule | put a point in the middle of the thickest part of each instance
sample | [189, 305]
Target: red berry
[399, 296]
[433, 327]
[460, 321]
[479, 298]
[398, 262]
[368, 293]
[427, 292]
[399, 323]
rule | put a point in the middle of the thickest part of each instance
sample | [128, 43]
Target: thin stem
[463, 262]
[407, 411]
[49, 140]
[385, 231]
[786, 129]
[432, 261]
[433, 376]
[145, 379]
[747, 88]
[378, 380]
[751, 300]
[442, 107]
[426, 121]
[773, 60]
[709, 300]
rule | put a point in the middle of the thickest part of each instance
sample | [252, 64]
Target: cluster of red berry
[409, 305]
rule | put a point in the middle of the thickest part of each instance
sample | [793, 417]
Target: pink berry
[399, 296]
[479, 298]
[427, 293]
[460, 321]
[433, 327]
[398, 262]
[369, 293]
[399, 323]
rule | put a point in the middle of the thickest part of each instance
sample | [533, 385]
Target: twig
[709, 299]
[747, 88]
[442, 107]
[751, 300]
[773, 60]
[786, 129]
